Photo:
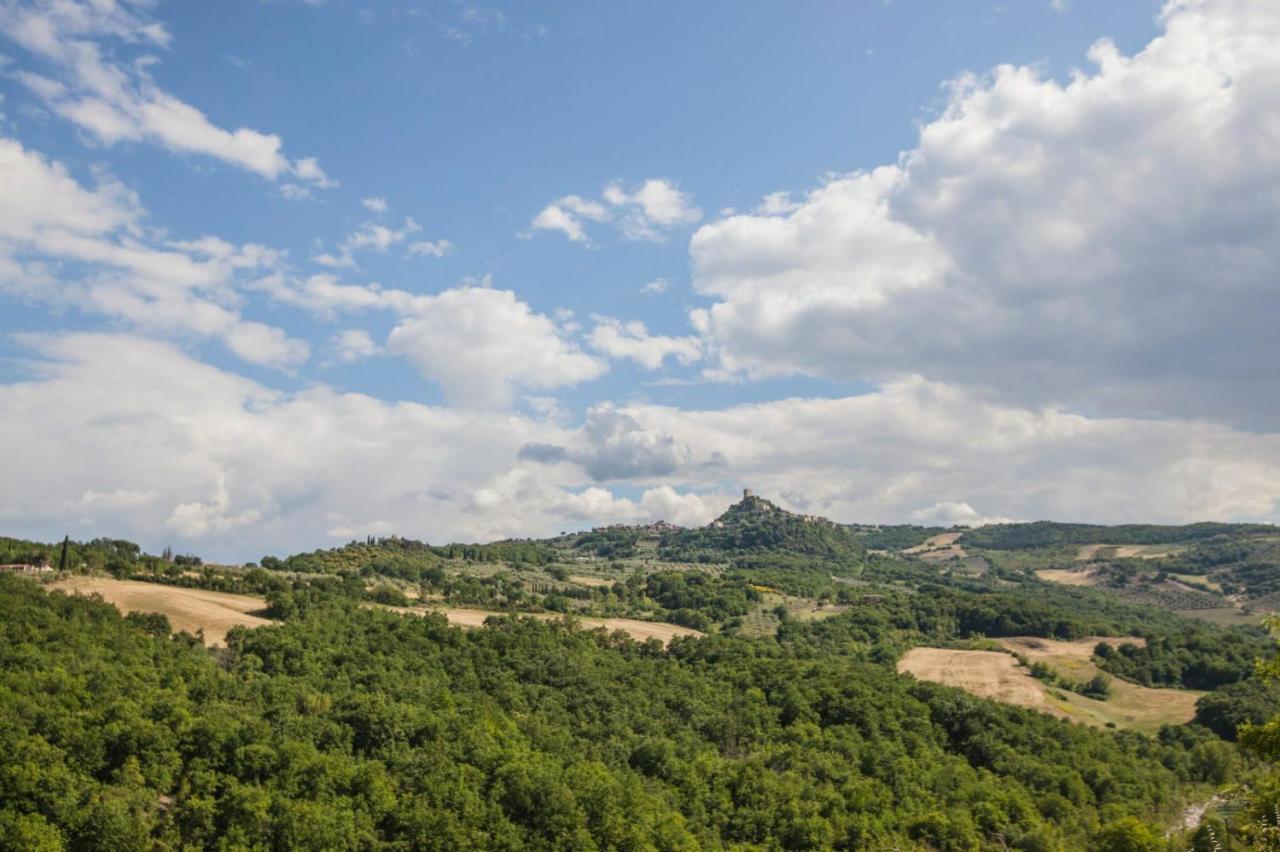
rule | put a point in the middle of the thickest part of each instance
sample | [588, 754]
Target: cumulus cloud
[632, 340]
[66, 245]
[929, 451]
[353, 344]
[430, 248]
[648, 213]
[153, 445]
[119, 101]
[614, 445]
[1107, 242]
[156, 446]
[482, 345]
[375, 205]
[952, 514]
[567, 215]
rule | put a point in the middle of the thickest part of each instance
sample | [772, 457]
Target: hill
[754, 526]
[783, 599]
[1040, 534]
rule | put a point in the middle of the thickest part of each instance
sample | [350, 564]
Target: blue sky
[900, 258]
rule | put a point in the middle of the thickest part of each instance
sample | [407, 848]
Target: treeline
[1053, 534]
[609, 542]
[97, 554]
[1178, 652]
[1189, 655]
[354, 729]
[1248, 702]
[407, 558]
[897, 537]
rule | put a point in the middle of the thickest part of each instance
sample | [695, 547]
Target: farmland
[638, 630]
[214, 613]
[211, 614]
[999, 675]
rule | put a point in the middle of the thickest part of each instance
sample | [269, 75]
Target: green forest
[349, 729]
[786, 726]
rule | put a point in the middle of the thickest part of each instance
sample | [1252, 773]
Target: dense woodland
[351, 728]
[348, 728]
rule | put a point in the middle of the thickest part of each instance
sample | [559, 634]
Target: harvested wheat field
[638, 630]
[937, 542]
[939, 547]
[1092, 552]
[187, 609]
[1067, 576]
[988, 674]
[983, 673]
[1088, 551]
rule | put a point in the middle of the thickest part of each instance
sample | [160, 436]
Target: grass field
[187, 609]
[1067, 576]
[994, 674]
[591, 582]
[761, 620]
[1198, 582]
[1226, 616]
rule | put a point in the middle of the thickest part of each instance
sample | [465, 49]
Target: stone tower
[746, 494]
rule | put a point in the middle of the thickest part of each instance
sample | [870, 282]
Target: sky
[277, 275]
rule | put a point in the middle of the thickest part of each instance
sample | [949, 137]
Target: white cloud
[953, 514]
[375, 205]
[1108, 242]
[120, 101]
[925, 451]
[651, 210]
[483, 345]
[632, 340]
[152, 445]
[67, 246]
[213, 516]
[566, 216]
[646, 214]
[427, 248]
[353, 344]
[371, 236]
[266, 345]
[775, 204]
[655, 287]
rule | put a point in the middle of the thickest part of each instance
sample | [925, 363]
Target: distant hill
[754, 526]
[1053, 534]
